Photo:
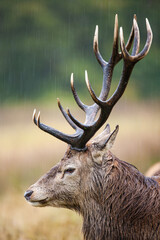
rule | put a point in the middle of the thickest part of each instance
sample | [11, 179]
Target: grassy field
[26, 153]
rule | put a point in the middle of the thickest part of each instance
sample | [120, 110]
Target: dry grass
[26, 153]
[20, 221]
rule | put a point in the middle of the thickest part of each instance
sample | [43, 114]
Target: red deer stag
[115, 200]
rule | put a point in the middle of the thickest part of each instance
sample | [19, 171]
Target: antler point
[68, 111]
[39, 114]
[38, 119]
[72, 80]
[86, 78]
[34, 111]
[147, 23]
[121, 32]
[134, 20]
[33, 116]
[117, 127]
[95, 40]
[58, 101]
[135, 16]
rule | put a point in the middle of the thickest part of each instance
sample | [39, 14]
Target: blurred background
[41, 43]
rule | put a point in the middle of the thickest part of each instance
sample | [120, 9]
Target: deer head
[63, 185]
[79, 176]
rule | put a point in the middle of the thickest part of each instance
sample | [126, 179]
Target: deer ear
[106, 138]
[108, 143]
[103, 141]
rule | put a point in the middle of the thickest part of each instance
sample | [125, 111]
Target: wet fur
[124, 204]
[115, 200]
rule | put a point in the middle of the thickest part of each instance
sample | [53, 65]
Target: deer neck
[97, 207]
[113, 214]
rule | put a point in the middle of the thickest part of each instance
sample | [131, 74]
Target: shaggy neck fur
[121, 204]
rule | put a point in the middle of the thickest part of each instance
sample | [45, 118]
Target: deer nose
[28, 194]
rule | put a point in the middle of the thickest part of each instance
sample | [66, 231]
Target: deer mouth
[38, 203]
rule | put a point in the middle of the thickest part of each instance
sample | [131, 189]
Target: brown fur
[115, 200]
[129, 207]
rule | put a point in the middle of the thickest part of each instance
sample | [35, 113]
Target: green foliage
[43, 41]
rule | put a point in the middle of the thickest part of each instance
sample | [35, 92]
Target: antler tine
[92, 93]
[78, 124]
[135, 58]
[122, 44]
[147, 46]
[34, 117]
[115, 39]
[70, 139]
[66, 115]
[131, 36]
[77, 99]
[136, 42]
[101, 61]
[136, 38]
[116, 56]
[38, 119]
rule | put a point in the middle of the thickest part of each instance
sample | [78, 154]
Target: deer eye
[69, 170]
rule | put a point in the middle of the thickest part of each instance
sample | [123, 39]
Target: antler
[83, 132]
